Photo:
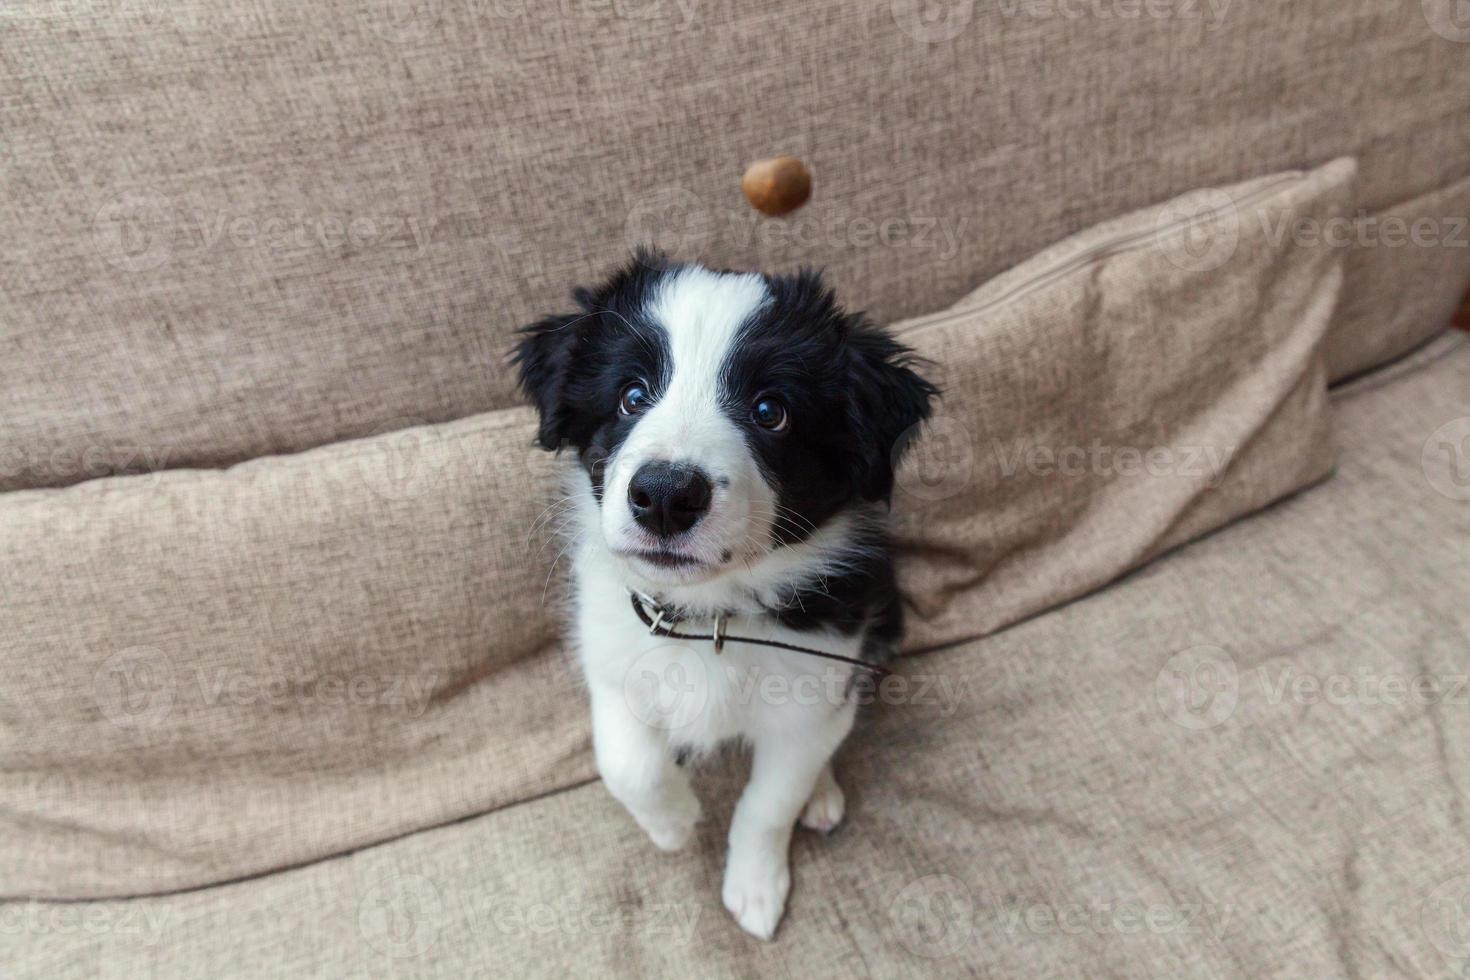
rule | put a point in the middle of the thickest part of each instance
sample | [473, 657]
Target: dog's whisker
[546, 588]
[558, 535]
[557, 509]
[564, 499]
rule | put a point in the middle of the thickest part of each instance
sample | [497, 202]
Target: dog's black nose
[668, 498]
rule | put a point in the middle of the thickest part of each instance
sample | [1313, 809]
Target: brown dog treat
[777, 186]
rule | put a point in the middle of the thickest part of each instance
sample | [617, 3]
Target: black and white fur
[781, 528]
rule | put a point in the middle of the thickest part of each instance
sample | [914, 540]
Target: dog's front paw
[825, 808]
[755, 892]
[672, 827]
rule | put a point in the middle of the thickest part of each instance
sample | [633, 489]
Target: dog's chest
[696, 696]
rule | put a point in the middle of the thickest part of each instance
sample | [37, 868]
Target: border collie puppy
[735, 438]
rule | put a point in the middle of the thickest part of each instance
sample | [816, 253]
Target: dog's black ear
[887, 400]
[543, 358]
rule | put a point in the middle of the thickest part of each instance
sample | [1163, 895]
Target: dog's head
[719, 416]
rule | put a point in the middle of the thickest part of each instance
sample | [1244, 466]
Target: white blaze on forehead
[702, 312]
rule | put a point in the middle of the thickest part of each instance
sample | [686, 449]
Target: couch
[284, 687]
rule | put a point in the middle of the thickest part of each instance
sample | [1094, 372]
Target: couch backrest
[240, 227]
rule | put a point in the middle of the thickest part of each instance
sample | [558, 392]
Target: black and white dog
[736, 435]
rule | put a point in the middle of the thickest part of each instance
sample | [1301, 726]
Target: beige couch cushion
[237, 228]
[215, 673]
[1119, 394]
[1051, 807]
[1409, 266]
[211, 673]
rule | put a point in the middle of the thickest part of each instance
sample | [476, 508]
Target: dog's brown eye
[634, 398]
[768, 413]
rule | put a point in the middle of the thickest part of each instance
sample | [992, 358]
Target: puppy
[735, 439]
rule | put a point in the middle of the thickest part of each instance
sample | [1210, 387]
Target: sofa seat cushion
[1215, 767]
